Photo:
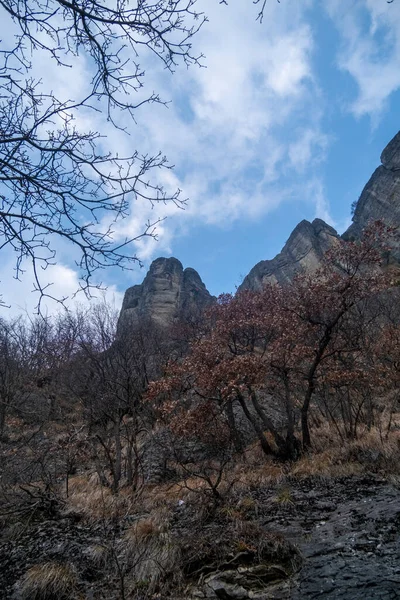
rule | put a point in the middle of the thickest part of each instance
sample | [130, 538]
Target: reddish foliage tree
[284, 343]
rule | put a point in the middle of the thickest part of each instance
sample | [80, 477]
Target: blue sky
[287, 122]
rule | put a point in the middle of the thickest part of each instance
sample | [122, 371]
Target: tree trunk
[118, 456]
[267, 422]
[235, 433]
[292, 443]
[305, 430]
[129, 462]
[3, 406]
[260, 434]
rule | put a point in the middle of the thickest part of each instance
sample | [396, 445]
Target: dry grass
[147, 527]
[325, 464]
[331, 457]
[257, 469]
[99, 555]
[284, 496]
[371, 452]
[189, 489]
[152, 554]
[48, 581]
[91, 500]
[247, 505]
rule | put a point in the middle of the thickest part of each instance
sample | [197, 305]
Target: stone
[260, 582]
[168, 293]
[380, 198]
[302, 252]
[390, 157]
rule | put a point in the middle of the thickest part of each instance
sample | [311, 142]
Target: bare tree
[110, 375]
[57, 181]
[10, 370]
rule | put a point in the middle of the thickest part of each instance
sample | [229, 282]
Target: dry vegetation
[161, 537]
[48, 581]
[116, 487]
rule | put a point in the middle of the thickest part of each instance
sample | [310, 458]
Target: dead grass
[326, 464]
[48, 581]
[152, 554]
[99, 555]
[88, 498]
[284, 496]
[257, 469]
[372, 452]
[331, 457]
[147, 527]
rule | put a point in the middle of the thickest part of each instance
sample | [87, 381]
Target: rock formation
[303, 251]
[168, 293]
[380, 199]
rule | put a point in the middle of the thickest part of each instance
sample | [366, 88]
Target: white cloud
[240, 132]
[316, 192]
[310, 146]
[244, 116]
[370, 51]
[19, 296]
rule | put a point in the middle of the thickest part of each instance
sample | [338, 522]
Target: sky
[286, 121]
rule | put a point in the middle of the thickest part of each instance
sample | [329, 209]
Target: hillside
[189, 448]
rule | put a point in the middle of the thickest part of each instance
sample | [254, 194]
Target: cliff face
[380, 199]
[302, 252]
[167, 293]
[170, 292]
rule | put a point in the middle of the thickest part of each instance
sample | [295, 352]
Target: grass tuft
[48, 581]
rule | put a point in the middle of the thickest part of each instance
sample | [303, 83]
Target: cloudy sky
[286, 122]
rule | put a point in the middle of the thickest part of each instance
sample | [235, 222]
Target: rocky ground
[349, 534]
[347, 531]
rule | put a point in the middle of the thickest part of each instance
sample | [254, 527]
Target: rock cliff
[167, 293]
[170, 292]
[303, 251]
[380, 199]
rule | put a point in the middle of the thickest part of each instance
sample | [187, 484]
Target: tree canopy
[280, 348]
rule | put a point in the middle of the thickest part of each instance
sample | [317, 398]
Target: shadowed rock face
[167, 293]
[170, 292]
[380, 199]
[302, 252]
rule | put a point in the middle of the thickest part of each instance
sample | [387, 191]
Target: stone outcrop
[302, 252]
[168, 293]
[380, 199]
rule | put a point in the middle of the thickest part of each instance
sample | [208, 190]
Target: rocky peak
[303, 251]
[380, 198]
[168, 292]
[390, 157]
